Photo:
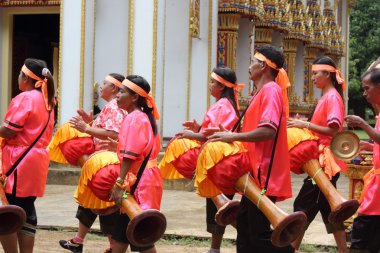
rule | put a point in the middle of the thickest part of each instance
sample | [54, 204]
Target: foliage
[364, 49]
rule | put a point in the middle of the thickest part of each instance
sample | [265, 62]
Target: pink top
[109, 118]
[222, 112]
[136, 139]
[265, 110]
[27, 116]
[329, 110]
[370, 204]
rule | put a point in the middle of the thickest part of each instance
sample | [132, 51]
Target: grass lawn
[362, 134]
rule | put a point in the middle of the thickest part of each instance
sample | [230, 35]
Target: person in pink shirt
[181, 155]
[266, 115]
[137, 138]
[365, 231]
[326, 121]
[76, 140]
[30, 117]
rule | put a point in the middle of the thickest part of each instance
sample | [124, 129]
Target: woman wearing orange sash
[365, 231]
[30, 118]
[181, 154]
[230, 156]
[136, 140]
[76, 140]
[327, 120]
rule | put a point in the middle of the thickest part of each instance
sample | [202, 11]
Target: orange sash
[327, 161]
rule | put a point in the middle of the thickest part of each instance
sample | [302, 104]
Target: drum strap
[14, 166]
[139, 174]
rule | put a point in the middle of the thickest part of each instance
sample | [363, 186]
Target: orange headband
[325, 67]
[234, 86]
[282, 78]
[40, 83]
[113, 81]
[141, 92]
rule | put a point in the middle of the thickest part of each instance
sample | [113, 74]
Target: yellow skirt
[63, 134]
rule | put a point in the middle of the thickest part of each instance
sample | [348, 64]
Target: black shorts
[254, 232]
[212, 226]
[119, 235]
[87, 218]
[366, 234]
[311, 200]
[27, 203]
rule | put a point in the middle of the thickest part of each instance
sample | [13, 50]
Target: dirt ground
[47, 242]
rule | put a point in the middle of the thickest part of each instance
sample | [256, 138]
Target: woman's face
[125, 100]
[216, 88]
[371, 91]
[107, 90]
[22, 81]
[320, 78]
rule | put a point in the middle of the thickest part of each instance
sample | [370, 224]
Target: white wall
[111, 39]
[243, 53]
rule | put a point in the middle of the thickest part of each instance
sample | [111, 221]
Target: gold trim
[131, 30]
[93, 54]
[82, 47]
[188, 83]
[60, 63]
[154, 60]
[209, 57]
[29, 3]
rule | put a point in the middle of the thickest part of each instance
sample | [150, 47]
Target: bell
[345, 145]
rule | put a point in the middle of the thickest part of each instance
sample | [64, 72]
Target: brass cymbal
[345, 145]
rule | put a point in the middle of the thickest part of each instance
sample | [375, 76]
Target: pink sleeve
[334, 111]
[221, 113]
[272, 104]
[133, 138]
[18, 111]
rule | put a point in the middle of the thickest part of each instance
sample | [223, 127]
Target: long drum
[145, 226]
[341, 209]
[287, 227]
[12, 217]
[227, 210]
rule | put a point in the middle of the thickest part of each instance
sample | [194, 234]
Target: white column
[243, 54]
[111, 39]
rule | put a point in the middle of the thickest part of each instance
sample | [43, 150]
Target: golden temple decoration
[263, 36]
[29, 3]
[252, 9]
[194, 18]
[228, 26]
[308, 89]
[318, 24]
[334, 41]
[300, 28]
[290, 51]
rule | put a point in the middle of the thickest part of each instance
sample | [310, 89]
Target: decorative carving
[194, 18]
[263, 36]
[24, 3]
[308, 89]
[227, 39]
[252, 9]
[290, 50]
[299, 28]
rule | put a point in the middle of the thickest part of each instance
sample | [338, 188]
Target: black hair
[230, 76]
[328, 61]
[36, 66]
[273, 54]
[374, 75]
[118, 77]
[142, 83]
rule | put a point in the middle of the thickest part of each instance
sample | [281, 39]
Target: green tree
[364, 49]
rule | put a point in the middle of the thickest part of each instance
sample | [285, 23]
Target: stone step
[61, 174]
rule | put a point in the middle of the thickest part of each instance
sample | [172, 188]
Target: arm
[117, 192]
[6, 133]
[356, 121]
[259, 134]
[188, 134]
[330, 130]
[100, 133]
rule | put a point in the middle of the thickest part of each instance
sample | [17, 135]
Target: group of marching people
[250, 152]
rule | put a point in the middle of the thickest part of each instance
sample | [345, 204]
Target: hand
[191, 125]
[211, 130]
[364, 145]
[78, 123]
[222, 135]
[86, 117]
[297, 123]
[116, 195]
[188, 134]
[109, 144]
[354, 121]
